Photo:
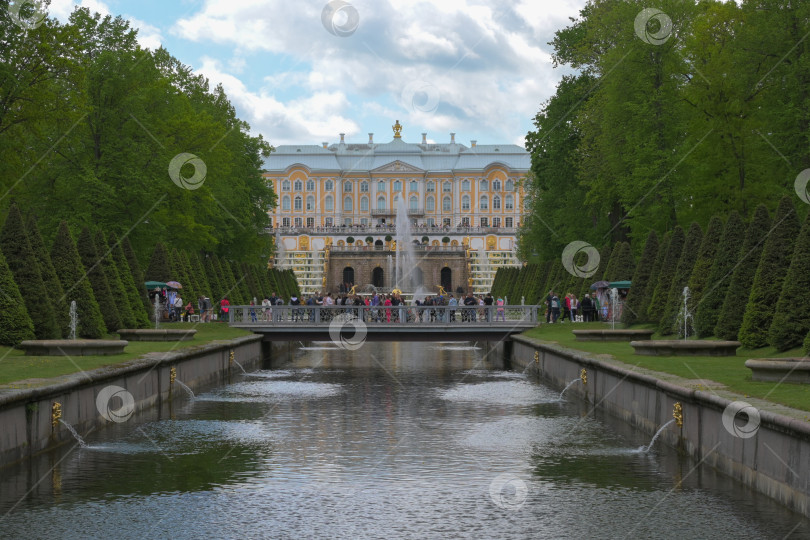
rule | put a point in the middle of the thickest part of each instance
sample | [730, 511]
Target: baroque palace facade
[337, 210]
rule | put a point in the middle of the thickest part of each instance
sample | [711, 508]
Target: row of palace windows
[447, 187]
[413, 203]
[430, 222]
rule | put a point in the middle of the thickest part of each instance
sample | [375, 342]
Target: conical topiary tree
[739, 288]
[15, 324]
[25, 268]
[179, 274]
[117, 290]
[214, 280]
[728, 253]
[133, 292]
[76, 285]
[98, 279]
[658, 302]
[705, 261]
[159, 268]
[773, 266]
[791, 321]
[52, 284]
[623, 265]
[137, 274]
[644, 303]
[807, 344]
[669, 319]
[613, 259]
[640, 280]
[201, 275]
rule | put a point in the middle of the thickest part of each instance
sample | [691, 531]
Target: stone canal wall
[26, 416]
[765, 451]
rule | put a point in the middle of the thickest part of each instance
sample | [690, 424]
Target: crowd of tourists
[569, 307]
[381, 308]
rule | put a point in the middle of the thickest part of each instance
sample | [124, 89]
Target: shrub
[773, 265]
[791, 321]
[640, 280]
[728, 253]
[733, 309]
[76, 285]
[666, 275]
[445, 240]
[98, 280]
[24, 266]
[350, 240]
[15, 324]
[668, 323]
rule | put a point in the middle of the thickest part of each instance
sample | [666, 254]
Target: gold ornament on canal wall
[536, 357]
[583, 375]
[230, 357]
[677, 414]
[172, 375]
[56, 413]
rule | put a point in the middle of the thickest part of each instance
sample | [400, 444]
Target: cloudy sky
[304, 71]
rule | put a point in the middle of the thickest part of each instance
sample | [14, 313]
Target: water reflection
[391, 440]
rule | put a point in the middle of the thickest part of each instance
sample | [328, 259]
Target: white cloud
[488, 61]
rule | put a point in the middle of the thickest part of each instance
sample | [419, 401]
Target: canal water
[410, 440]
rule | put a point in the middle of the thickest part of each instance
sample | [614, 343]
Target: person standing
[500, 312]
[555, 308]
[488, 301]
[548, 305]
[574, 307]
[224, 306]
[586, 306]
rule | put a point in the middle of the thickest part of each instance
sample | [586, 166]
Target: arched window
[465, 185]
[509, 186]
[496, 202]
[430, 204]
[380, 187]
[414, 186]
[496, 185]
[347, 204]
[298, 185]
[310, 203]
[447, 187]
[465, 202]
[364, 204]
[310, 185]
[347, 186]
[298, 203]
[413, 203]
[483, 186]
[380, 203]
[364, 187]
[397, 186]
[484, 203]
[329, 204]
[329, 185]
[446, 204]
[285, 202]
[510, 202]
[285, 185]
[430, 187]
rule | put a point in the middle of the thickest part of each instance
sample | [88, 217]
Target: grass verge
[729, 371]
[27, 371]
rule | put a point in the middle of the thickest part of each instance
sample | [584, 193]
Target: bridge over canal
[395, 323]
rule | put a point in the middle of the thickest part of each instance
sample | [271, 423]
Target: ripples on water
[393, 440]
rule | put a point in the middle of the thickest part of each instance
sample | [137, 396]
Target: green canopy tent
[152, 285]
[619, 284]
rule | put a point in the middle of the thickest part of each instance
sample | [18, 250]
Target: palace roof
[397, 156]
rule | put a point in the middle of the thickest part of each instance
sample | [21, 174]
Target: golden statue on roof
[397, 130]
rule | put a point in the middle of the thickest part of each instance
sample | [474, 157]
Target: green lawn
[28, 371]
[729, 371]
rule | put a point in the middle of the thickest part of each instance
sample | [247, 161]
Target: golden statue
[397, 130]
[396, 292]
[353, 291]
[442, 292]
[393, 245]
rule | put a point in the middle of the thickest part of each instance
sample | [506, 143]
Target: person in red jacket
[224, 307]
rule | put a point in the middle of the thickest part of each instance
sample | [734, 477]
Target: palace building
[337, 211]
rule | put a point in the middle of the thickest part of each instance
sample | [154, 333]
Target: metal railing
[391, 229]
[416, 247]
[286, 316]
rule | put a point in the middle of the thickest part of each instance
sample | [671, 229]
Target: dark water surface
[393, 440]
